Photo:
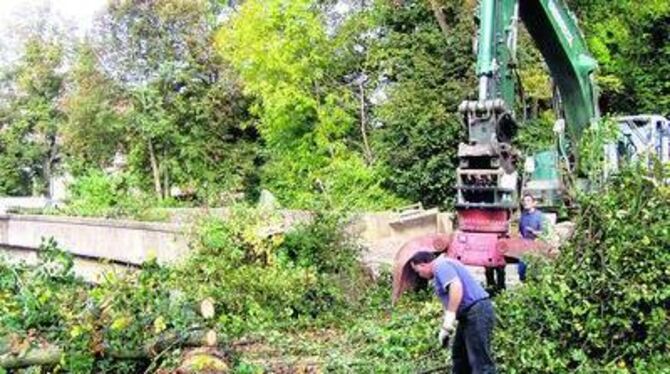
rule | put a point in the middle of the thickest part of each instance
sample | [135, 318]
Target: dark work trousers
[471, 351]
[495, 279]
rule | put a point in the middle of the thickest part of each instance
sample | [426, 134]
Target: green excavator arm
[556, 34]
[487, 181]
[488, 155]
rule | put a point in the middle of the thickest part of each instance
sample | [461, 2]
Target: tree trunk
[440, 17]
[155, 171]
[47, 177]
[166, 177]
[366, 145]
[50, 354]
[49, 162]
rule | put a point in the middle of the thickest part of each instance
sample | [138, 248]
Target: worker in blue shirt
[468, 312]
[530, 226]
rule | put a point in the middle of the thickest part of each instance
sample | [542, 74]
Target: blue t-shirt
[445, 271]
[530, 221]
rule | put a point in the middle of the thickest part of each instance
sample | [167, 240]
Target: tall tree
[186, 120]
[419, 76]
[92, 133]
[631, 41]
[29, 140]
[306, 107]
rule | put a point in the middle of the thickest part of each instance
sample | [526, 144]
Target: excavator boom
[487, 181]
[487, 184]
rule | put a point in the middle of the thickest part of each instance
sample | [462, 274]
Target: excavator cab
[641, 138]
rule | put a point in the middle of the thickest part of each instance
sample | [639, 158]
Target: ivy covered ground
[282, 303]
[300, 302]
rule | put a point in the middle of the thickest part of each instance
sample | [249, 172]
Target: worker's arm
[536, 227]
[455, 289]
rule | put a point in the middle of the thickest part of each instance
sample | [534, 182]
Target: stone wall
[29, 202]
[133, 242]
[124, 241]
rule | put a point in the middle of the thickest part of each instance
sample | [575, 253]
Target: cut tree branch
[366, 145]
[438, 11]
[50, 354]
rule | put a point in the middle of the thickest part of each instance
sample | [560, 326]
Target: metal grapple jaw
[486, 175]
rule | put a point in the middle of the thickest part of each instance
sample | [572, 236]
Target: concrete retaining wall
[383, 233]
[384, 225]
[133, 242]
[30, 202]
[126, 241]
[90, 270]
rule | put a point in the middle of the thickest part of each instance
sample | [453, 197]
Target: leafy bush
[604, 304]
[321, 243]
[93, 194]
[234, 262]
[270, 280]
[98, 194]
[592, 162]
[45, 302]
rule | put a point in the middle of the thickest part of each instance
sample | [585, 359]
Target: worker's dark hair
[528, 194]
[423, 257]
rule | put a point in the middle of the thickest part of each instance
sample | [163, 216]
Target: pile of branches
[147, 320]
[604, 304]
[50, 317]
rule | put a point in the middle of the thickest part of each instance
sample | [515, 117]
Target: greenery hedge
[604, 305]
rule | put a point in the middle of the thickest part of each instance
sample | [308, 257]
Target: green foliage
[603, 305]
[283, 280]
[274, 288]
[288, 61]
[630, 41]
[182, 116]
[46, 298]
[427, 77]
[537, 134]
[93, 194]
[99, 194]
[398, 340]
[93, 131]
[371, 338]
[360, 115]
[28, 146]
[592, 162]
[320, 244]
[34, 305]
[535, 113]
[151, 305]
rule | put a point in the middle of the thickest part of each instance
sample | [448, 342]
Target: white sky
[79, 11]
[75, 16]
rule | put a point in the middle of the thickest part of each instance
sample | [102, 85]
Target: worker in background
[468, 312]
[530, 226]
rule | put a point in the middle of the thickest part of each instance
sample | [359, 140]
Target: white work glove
[448, 328]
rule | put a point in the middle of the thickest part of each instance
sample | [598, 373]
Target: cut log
[50, 354]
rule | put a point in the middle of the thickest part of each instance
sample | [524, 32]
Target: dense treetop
[346, 103]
